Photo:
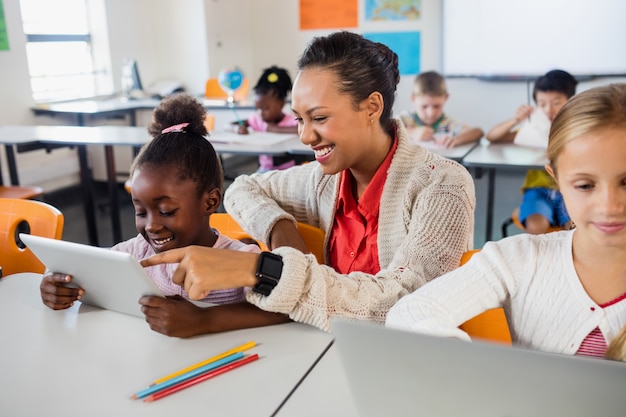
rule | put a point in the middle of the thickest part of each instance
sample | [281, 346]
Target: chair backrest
[25, 216]
[491, 324]
[313, 237]
[214, 91]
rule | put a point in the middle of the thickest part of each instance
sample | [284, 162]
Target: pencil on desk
[200, 378]
[240, 348]
[188, 375]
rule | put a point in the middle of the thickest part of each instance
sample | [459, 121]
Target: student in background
[542, 205]
[270, 93]
[562, 292]
[395, 215]
[428, 122]
[177, 183]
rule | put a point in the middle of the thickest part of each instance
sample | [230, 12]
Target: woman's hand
[204, 269]
[55, 292]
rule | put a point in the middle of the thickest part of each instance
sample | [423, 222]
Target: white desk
[324, 392]
[109, 136]
[502, 156]
[457, 153]
[87, 361]
[98, 107]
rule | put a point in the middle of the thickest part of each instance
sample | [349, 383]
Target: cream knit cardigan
[426, 222]
[532, 277]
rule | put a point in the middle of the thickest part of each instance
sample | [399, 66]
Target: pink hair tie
[175, 128]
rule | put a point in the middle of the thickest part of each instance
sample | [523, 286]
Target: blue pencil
[158, 387]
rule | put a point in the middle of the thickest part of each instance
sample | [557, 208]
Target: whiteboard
[526, 38]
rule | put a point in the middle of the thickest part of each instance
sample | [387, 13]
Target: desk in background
[457, 153]
[109, 136]
[501, 156]
[79, 109]
[87, 361]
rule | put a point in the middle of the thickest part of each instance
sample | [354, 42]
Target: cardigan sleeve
[488, 280]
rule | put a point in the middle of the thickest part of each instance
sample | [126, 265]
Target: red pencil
[203, 377]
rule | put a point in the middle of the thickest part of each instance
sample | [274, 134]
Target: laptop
[397, 373]
[112, 280]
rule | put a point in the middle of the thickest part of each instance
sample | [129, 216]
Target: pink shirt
[162, 274]
[266, 162]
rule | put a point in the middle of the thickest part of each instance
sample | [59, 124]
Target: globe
[230, 79]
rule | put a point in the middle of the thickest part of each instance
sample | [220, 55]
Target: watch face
[271, 266]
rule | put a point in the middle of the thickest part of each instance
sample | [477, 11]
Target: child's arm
[56, 294]
[274, 128]
[503, 131]
[465, 135]
[422, 133]
[177, 317]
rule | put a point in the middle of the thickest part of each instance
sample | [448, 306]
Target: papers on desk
[253, 138]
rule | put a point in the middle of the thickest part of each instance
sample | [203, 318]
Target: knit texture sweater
[532, 277]
[426, 222]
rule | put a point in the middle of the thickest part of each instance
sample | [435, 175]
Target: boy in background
[542, 204]
[428, 122]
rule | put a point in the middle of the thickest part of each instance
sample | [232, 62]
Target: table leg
[113, 197]
[12, 164]
[88, 195]
[491, 183]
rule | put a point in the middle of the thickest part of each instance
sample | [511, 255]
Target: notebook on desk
[112, 280]
[396, 373]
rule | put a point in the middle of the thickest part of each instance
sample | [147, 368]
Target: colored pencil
[240, 348]
[200, 378]
[188, 375]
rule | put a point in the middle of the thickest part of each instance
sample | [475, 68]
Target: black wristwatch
[268, 272]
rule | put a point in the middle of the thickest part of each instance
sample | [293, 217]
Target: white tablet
[112, 280]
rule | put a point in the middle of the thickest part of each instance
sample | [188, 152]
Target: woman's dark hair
[362, 67]
[183, 148]
[274, 81]
[556, 80]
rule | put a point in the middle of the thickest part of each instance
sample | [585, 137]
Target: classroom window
[61, 52]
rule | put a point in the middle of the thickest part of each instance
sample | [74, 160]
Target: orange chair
[313, 237]
[214, 91]
[18, 191]
[25, 216]
[490, 325]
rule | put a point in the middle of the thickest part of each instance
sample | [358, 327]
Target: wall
[191, 40]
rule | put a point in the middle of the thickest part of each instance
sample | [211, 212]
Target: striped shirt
[595, 343]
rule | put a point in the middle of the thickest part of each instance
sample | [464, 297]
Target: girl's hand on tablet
[57, 291]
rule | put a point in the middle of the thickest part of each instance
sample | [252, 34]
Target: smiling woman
[395, 215]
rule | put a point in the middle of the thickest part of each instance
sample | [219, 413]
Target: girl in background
[270, 94]
[562, 292]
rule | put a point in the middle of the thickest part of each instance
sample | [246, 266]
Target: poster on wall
[328, 14]
[4, 39]
[405, 44]
[385, 10]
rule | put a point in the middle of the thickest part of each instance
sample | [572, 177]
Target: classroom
[180, 45]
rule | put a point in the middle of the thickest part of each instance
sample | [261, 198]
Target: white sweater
[532, 277]
[426, 222]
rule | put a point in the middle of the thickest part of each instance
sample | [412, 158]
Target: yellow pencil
[237, 349]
